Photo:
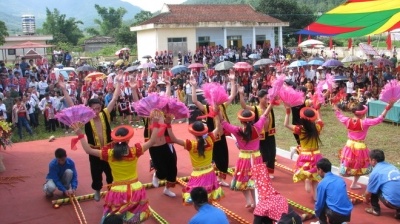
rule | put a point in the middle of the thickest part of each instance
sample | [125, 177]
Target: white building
[187, 27]
[17, 46]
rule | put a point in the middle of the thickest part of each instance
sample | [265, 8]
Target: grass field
[384, 136]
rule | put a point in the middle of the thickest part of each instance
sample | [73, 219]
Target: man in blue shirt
[383, 185]
[333, 206]
[207, 214]
[62, 174]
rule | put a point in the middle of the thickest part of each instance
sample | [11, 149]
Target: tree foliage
[64, 30]
[298, 16]
[141, 17]
[110, 21]
[3, 32]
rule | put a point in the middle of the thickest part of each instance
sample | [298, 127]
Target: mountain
[11, 11]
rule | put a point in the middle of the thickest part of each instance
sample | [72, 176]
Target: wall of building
[164, 34]
[146, 43]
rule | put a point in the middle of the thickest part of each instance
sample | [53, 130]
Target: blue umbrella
[315, 62]
[298, 63]
[178, 69]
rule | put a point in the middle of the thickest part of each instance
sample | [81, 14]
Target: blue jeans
[23, 122]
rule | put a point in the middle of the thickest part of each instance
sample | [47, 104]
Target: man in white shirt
[42, 86]
[188, 91]
[33, 83]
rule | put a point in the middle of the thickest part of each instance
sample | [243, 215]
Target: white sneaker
[317, 222]
[169, 193]
[155, 180]
[97, 195]
[271, 176]
[292, 151]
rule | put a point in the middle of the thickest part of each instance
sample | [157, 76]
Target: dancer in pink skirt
[200, 151]
[354, 157]
[127, 196]
[248, 142]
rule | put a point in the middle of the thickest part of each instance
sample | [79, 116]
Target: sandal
[372, 212]
[249, 206]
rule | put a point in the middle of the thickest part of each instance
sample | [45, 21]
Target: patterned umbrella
[243, 66]
[382, 62]
[196, 65]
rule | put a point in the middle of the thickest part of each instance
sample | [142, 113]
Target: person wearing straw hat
[354, 158]
[127, 196]
[248, 141]
[308, 130]
[200, 151]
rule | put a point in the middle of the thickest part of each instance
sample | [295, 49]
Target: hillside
[315, 5]
[11, 11]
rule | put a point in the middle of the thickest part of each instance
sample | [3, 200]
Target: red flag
[299, 40]
[330, 43]
[350, 43]
[369, 40]
[389, 41]
[309, 37]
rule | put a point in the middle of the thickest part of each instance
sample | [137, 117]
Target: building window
[204, 39]
[260, 37]
[234, 37]
[11, 51]
[176, 39]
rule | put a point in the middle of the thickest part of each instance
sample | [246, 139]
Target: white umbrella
[351, 58]
[310, 42]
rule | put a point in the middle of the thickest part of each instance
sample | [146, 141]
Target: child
[50, 113]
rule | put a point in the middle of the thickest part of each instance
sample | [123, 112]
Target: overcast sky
[152, 5]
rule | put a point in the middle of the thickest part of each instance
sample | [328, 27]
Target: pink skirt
[241, 180]
[131, 203]
[306, 166]
[354, 159]
[207, 179]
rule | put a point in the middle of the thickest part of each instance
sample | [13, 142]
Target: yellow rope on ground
[227, 212]
[158, 217]
[78, 210]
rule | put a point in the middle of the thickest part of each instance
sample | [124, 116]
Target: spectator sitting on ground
[206, 212]
[62, 174]
[333, 205]
[383, 185]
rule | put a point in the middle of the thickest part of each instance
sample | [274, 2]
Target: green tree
[126, 37]
[110, 22]
[63, 29]
[141, 17]
[3, 32]
[298, 16]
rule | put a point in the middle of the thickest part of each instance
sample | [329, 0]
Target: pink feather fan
[276, 87]
[318, 96]
[330, 82]
[390, 92]
[75, 114]
[176, 108]
[153, 101]
[291, 97]
[215, 93]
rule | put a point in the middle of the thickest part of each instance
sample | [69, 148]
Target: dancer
[200, 151]
[267, 135]
[98, 133]
[162, 153]
[308, 130]
[127, 196]
[220, 156]
[354, 157]
[248, 142]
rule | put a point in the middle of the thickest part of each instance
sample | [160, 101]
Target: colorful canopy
[356, 18]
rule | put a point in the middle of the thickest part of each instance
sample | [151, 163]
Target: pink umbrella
[196, 65]
[243, 66]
